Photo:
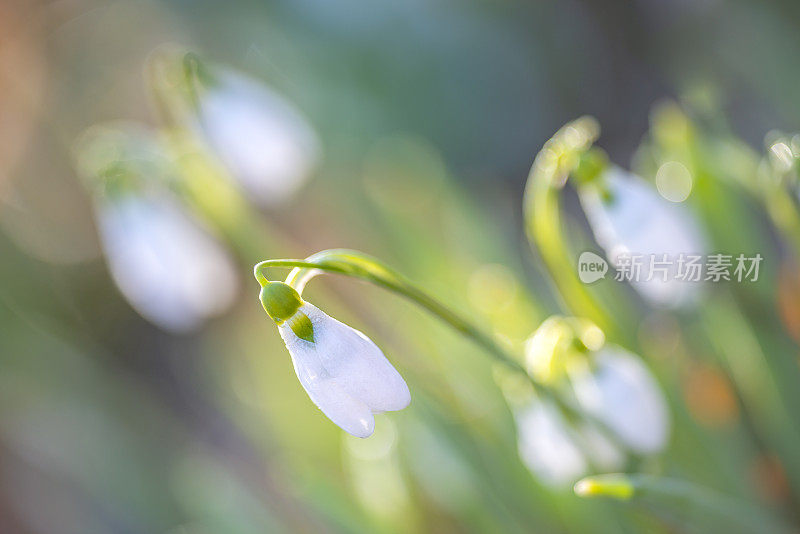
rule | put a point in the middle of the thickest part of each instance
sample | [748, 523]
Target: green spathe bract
[282, 303]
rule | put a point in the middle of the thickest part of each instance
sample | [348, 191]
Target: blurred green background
[427, 116]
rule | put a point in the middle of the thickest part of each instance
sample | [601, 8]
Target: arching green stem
[560, 157]
[357, 265]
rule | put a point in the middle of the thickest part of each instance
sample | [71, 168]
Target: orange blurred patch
[22, 79]
[709, 396]
[769, 478]
[789, 298]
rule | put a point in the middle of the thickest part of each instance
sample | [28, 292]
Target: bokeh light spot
[674, 181]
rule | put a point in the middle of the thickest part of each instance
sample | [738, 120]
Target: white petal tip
[364, 429]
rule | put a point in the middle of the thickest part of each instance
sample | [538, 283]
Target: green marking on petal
[301, 326]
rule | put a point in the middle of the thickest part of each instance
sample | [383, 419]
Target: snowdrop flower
[556, 453]
[164, 263]
[344, 372]
[628, 217]
[624, 403]
[266, 144]
[545, 445]
[619, 391]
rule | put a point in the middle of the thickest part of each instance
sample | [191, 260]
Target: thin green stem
[706, 508]
[352, 263]
[357, 265]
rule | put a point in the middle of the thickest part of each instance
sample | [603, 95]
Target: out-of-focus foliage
[142, 388]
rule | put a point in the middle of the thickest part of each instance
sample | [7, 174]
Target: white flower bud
[344, 372]
[266, 144]
[622, 393]
[546, 447]
[170, 270]
[557, 453]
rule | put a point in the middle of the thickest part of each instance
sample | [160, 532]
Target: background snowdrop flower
[266, 144]
[628, 216]
[557, 453]
[623, 404]
[167, 266]
[622, 393]
[344, 372]
[545, 445]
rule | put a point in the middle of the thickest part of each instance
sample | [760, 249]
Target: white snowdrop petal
[604, 454]
[545, 445]
[622, 393]
[357, 363]
[636, 220]
[345, 374]
[167, 267]
[350, 414]
[267, 145]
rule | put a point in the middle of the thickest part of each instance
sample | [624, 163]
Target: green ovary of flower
[280, 301]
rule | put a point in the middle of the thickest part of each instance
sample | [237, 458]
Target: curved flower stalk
[778, 176]
[266, 144]
[357, 265]
[610, 384]
[147, 236]
[630, 219]
[567, 152]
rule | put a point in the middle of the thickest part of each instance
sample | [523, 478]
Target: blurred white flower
[266, 144]
[342, 370]
[621, 392]
[170, 270]
[624, 405]
[629, 217]
[545, 445]
[557, 453]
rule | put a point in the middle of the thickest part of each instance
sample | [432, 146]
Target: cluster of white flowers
[167, 265]
[609, 384]
[175, 274]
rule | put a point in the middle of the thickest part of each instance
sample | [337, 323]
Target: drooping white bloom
[623, 405]
[342, 370]
[555, 452]
[266, 144]
[622, 393]
[164, 263]
[545, 445]
[628, 217]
